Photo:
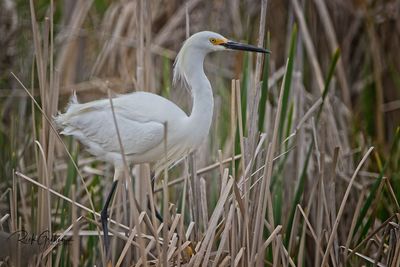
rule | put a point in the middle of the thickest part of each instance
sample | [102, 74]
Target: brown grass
[307, 189]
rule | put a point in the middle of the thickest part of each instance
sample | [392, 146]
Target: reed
[301, 167]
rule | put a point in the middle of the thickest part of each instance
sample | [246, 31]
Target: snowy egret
[141, 116]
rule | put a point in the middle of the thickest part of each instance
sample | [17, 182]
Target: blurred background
[91, 46]
[98, 42]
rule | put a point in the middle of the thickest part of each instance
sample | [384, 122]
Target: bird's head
[211, 41]
[197, 46]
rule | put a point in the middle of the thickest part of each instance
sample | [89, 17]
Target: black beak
[244, 47]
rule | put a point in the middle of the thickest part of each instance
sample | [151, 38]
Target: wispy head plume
[179, 70]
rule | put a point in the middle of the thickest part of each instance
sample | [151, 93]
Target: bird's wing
[97, 127]
[140, 119]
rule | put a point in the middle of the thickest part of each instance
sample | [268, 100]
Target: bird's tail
[73, 99]
[61, 118]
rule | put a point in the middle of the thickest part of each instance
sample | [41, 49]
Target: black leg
[153, 179]
[157, 213]
[104, 219]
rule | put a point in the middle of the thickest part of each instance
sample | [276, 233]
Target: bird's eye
[213, 40]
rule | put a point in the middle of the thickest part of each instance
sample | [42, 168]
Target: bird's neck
[203, 101]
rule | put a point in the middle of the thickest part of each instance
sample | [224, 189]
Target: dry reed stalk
[164, 256]
[225, 235]
[234, 248]
[187, 21]
[195, 186]
[260, 208]
[304, 118]
[120, 200]
[246, 178]
[240, 125]
[140, 49]
[333, 43]
[265, 201]
[272, 236]
[312, 55]
[353, 225]
[128, 244]
[185, 184]
[181, 241]
[219, 164]
[275, 256]
[154, 222]
[166, 31]
[49, 101]
[312, 231]
[148, 248]
[293, 231]
[201, 171]
[13, 205]
[43, 206]
[302, 113]
[68, 55]
[243, 213]
[245, 152]
[91, 211]
[144, 71]
[342, 206]
[122, 235]
[225, 261]
[208, 251]
[3, 220]
[308, 44]
[62, 235]
[213, 223]
[134, 209]
[233, 124]
[301, 250]
[285, 253]
[75, 229]
[54, 87]
[320, 199]
[395, 260]
[254, 95]
[49, 98]
[203, 203]
[368, 259]
[148, 57]
[230, 242]
[370, 235]
[378, 254]
[59, 195]
[391, 193]
[191, 199]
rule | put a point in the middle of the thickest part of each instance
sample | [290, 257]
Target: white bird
[141, 116]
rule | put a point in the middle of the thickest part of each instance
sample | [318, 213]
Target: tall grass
[290, 175]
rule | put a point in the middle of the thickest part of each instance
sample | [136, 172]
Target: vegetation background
[313, 131]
